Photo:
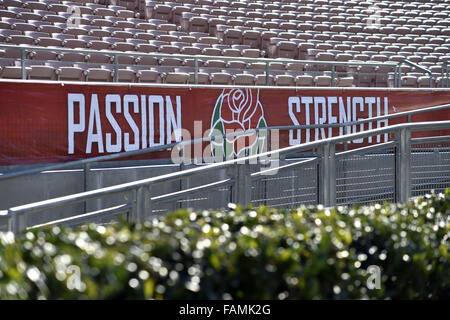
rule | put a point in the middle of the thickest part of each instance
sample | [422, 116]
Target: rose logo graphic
[238, 110]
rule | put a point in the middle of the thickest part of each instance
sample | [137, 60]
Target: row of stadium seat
[315, 30]
[187, 76]
[198, 43]
[167, 75]
[79, 66]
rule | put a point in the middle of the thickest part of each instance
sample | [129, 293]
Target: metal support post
[242, 185]
[142, 204]
[333, 74]
[323, 174]
[132, 199]
[332, 174]
[22, 63]
[395, 76]
[196, 70]
[327, 175]
[116, 69]
[403, 165]
[86, 169]
[19, 223]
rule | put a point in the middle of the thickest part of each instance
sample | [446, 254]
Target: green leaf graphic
[217, 109]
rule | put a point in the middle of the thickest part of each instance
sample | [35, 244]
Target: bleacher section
[320, 30]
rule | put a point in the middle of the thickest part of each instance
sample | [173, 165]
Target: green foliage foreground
[263, 253]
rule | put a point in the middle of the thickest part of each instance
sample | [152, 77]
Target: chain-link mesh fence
[289, 188]
[210, 199]
[430, 167]
[365, 178]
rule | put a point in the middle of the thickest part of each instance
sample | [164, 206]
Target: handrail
[115, 54]
[128, 154]
[185, 56]
[116, 65]
[209, 138]
[134, 185]
[415, 65]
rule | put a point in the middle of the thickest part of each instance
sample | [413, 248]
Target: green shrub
[262, 253]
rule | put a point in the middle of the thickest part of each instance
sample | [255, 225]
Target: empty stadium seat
[242, 79]
[177, 77]
[322, 81]
[220, 78]
[98, 74]
[125, 75]
[148, 76]
[304, 81]
[409, 81]
[344, 82]
[65, 73]
[284, 80]
[312, 30]
[42, 72]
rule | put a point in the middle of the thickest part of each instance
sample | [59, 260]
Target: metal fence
[332, 67]
[86, 164]
[286, 178]
[294, 184]
[366, 176]
[430, 165]
[327, 177]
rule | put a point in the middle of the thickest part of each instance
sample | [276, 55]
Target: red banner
[53, 122]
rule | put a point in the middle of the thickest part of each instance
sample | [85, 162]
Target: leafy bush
[262, 253]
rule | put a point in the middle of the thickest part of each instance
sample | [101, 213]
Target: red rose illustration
[239, 110]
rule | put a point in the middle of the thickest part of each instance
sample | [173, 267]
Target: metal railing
[87, 163]
[136, 201]
[398, 72]
[24, 50]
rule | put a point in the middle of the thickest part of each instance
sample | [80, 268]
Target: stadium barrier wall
[46, 122]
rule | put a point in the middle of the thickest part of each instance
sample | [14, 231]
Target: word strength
[306, 110]
[226, 309]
